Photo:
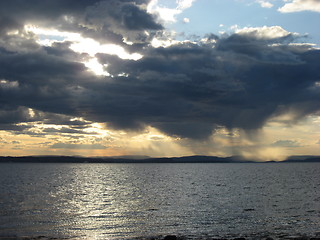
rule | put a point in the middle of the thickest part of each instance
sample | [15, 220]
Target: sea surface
[126, 201]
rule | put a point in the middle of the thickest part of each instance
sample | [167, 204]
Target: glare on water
[108, 201]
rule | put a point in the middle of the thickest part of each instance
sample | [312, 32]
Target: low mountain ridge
[146, 159]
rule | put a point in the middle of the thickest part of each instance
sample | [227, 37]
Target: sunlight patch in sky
[96, 67]
[80, 44]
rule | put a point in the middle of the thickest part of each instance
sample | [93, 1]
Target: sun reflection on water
[124, 201]
[98, 203]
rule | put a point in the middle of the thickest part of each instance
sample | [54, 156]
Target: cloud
[286, 144]
[167, 14]
[77, 146]
[186, 20]
[110, 21]
[186, 90]
[265, 4]
[14, 116]
[265, 33]
[184, 4]
[63, 130]
[300, 5]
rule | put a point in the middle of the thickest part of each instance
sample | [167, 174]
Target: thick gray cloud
[47, 10]
[106, 21]
[186, 90]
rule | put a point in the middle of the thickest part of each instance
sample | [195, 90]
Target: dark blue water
[111, 201]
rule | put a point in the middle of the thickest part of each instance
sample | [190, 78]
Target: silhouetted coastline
[185, 159]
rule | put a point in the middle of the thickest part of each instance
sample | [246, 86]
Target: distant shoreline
[186, 159]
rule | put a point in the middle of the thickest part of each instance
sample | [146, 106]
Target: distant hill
[119, 159]
[307, 158]
[146, 159]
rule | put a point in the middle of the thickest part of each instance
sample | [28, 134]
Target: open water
[125, 201]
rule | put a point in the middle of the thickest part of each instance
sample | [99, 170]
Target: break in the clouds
[187, 90]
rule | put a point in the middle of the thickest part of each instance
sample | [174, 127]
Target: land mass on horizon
[146, 159]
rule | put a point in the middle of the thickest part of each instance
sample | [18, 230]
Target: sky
[160, 78]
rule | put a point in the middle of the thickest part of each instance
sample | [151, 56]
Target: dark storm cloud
[13, 127]
[7, 23]
[39, 64]
[106, 21]
[115, 21]
[40, 79]
[186, 90]
[11, 118]
[259, 48]
[48, 10]
[120, 14]
[9, 115]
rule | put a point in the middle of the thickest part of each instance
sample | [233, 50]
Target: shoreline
[183, 159]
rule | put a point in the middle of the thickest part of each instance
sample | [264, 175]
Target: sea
[154, 200]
